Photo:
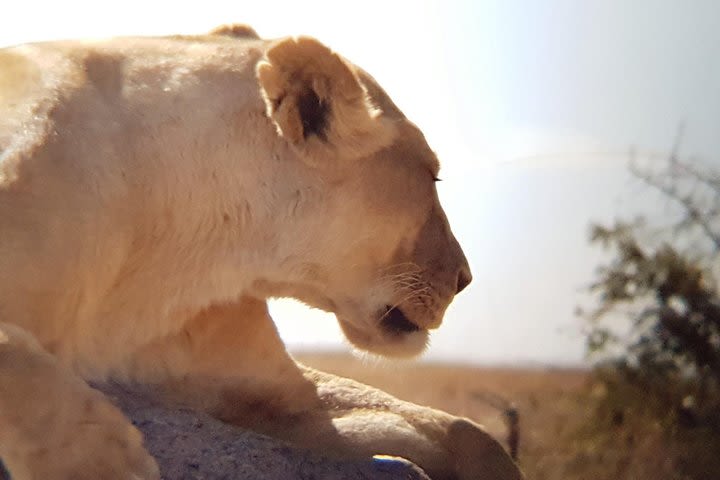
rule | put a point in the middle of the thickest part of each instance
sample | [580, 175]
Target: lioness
[155, 192]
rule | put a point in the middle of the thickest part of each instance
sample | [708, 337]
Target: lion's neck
[235, 206]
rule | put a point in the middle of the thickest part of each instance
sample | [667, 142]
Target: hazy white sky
[530, 105]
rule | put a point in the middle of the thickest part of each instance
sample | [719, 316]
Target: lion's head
[383, 257]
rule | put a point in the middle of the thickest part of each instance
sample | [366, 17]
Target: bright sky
[530, 105]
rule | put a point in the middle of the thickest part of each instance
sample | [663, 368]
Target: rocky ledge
[193, 446]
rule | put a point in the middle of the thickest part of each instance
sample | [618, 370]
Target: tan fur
[155, 192]
[236, 30]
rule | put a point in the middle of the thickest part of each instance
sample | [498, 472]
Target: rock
[193, 446]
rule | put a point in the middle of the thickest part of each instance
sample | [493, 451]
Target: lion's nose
[464, 279]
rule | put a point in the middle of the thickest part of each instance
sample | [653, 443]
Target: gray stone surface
[192, 446]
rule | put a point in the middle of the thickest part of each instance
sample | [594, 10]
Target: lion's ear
[318, 103]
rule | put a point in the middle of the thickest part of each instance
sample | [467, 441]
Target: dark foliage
[666, 366]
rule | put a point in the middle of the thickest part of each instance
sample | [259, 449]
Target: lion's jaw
[406, 298]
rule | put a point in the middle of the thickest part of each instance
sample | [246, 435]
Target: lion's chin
[390, 338]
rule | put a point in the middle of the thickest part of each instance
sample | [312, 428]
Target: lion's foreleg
[52, 425]
[372, 421]
[230, 361]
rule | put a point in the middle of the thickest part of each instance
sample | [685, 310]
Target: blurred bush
[655, 331]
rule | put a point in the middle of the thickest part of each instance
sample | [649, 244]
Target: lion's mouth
[395, 322]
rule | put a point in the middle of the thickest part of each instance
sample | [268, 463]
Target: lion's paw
[105, 445]
[478, 455]
[86, 440]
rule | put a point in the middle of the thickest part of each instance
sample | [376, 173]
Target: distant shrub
[664, 369]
